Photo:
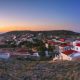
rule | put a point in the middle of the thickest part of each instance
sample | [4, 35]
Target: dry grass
[39, 70]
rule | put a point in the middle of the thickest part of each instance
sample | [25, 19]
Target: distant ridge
[2, 32]
[54, 32]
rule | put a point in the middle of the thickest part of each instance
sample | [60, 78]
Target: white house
[4, 55]
[36, 54]
[76, 46]
[69, 51]
[64, 52]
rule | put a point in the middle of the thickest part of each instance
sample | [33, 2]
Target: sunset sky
[39, 15]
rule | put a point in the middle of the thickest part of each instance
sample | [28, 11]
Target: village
[31, 47]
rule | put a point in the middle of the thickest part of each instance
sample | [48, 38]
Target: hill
[51, 32]
[39, 70]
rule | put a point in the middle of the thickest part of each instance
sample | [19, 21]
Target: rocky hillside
[39, 70]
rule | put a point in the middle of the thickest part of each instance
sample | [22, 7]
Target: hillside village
[39, 56]
[39, 45]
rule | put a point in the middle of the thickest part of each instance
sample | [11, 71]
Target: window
[76, 48]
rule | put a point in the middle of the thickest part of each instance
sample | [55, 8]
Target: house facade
[4, 55]
[76, 46]
[69, 51]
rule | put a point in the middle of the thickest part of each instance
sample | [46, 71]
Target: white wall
[76, 48]
[4, 55]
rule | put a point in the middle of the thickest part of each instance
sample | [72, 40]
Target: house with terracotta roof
[68, 51]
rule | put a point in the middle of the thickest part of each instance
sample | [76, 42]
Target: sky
[39, 15]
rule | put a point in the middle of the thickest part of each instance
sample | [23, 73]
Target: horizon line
[39, 30]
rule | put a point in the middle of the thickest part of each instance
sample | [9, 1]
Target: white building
[69, 52]
[64, 52]
[36, 54]
[4, 55]
[76, 46]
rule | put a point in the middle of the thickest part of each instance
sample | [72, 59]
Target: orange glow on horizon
[13, 28]
[32, 28]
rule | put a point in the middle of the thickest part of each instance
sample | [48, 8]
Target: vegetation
[39, 70]
[51, 32]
